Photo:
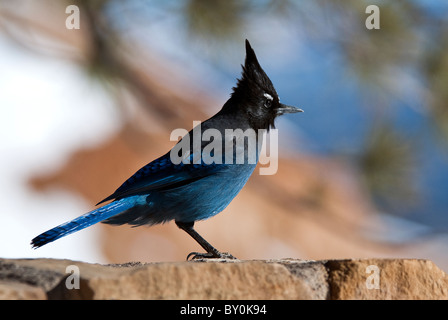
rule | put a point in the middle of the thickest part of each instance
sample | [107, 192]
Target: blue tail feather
[85, 221]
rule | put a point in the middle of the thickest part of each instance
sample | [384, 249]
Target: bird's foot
[210, 255]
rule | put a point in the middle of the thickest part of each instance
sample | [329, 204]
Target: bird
[193, 189]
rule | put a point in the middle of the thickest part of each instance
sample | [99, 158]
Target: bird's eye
[268, 101]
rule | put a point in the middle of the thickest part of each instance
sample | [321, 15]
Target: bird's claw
[209, 255]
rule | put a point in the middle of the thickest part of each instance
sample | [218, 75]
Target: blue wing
[163, 174]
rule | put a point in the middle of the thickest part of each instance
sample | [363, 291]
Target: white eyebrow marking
[268, 96]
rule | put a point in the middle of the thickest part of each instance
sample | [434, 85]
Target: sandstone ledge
[224, 279]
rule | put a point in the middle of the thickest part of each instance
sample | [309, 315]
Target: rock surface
[224, 279]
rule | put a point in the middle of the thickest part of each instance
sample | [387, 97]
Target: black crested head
[255, 94]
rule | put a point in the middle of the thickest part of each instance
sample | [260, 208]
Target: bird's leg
[212, 252]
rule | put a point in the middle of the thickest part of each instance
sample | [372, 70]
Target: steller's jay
[164, 189]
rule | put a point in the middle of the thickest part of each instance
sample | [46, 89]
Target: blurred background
[362, 173]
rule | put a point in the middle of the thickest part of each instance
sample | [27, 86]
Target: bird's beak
[287, 109]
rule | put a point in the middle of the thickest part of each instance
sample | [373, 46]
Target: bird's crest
[253, 78]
